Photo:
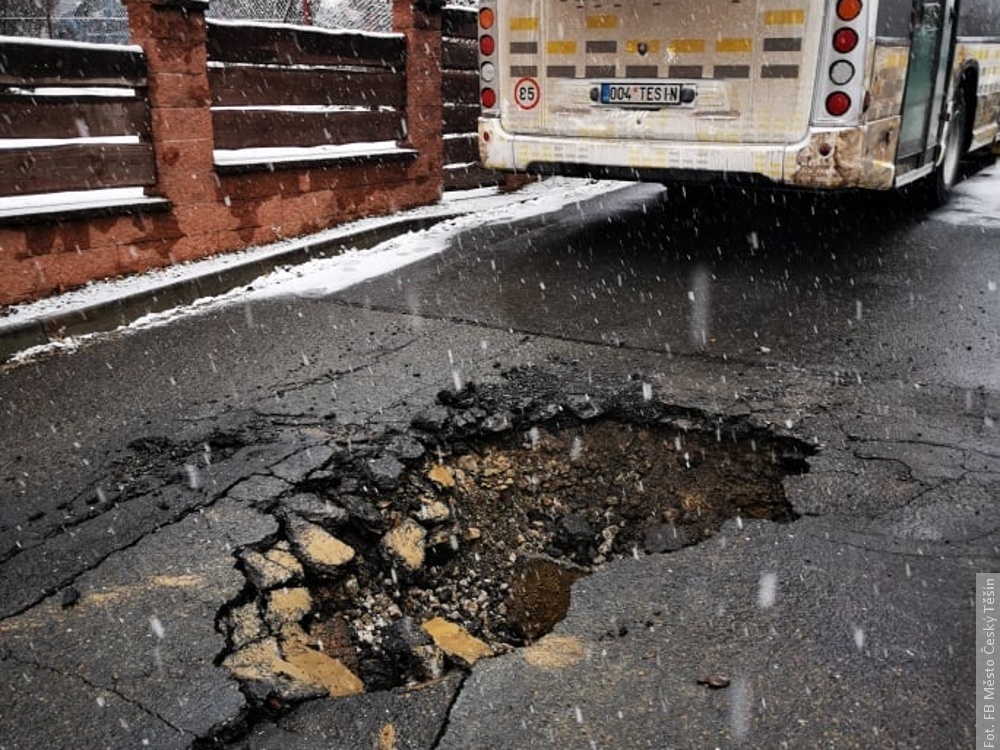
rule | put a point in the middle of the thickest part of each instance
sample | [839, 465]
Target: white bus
[871, 94]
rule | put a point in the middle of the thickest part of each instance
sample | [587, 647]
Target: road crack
[95, 686]
[446, 722]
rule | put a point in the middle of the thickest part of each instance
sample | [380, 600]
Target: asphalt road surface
[860, 326]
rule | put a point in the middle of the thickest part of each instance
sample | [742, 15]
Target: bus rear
[686, 89]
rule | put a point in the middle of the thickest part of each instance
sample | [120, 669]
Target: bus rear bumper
[836, 158]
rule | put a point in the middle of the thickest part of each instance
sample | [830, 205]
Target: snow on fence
[73, 117]
[277, 86]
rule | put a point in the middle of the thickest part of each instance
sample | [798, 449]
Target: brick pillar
[172, 34]
[421, 23]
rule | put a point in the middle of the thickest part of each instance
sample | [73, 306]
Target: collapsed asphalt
[478, 521]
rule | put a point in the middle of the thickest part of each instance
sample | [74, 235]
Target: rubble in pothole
[403, 556]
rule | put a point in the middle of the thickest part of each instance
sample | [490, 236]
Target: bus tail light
[838, 103]
[488, 98]
[845, 40]
[841, 72]
[487, 18]
[487, 45]
[848, 10]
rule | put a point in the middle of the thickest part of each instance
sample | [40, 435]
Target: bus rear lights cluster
[487, 48]
[845, 41]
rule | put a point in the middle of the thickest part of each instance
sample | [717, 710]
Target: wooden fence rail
[276, 86]
[88, 92]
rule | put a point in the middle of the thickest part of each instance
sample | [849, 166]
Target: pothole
[413, 555]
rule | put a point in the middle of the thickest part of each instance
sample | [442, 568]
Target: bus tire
[948, 172]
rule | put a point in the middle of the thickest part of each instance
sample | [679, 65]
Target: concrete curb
[113, 313]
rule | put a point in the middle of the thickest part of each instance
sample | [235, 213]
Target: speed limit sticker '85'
[527, 93]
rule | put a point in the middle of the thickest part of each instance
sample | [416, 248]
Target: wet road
[866, 286]
[860, 324]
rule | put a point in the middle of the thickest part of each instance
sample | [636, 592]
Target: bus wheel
[948, 172]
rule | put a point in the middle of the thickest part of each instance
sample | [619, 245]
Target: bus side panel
[884, 116]
[978, 32]
[888, 81]
[984, 56]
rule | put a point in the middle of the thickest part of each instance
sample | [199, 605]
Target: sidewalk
[108, 305]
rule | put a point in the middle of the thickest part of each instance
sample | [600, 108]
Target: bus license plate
[641, 94]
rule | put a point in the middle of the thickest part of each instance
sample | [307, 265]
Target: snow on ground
[976, 201]
[319, 277]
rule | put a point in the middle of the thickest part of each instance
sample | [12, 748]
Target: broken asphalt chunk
[259, 491]
[406, 448]
[457, 642]
[317, 549]
[364, 513]
[245, 626]
[432, 419]
[668, 537]
[384, 471]
[301, 674]
[405, 544]
[441, 476]
[300, 465]
[315, 509]
[271, 569]
[413, 649]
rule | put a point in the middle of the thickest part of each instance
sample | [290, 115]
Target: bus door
[931, 33]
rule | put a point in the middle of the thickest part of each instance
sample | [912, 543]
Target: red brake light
[844, 40]
[838, 103]
[487, 45]
[488, 97]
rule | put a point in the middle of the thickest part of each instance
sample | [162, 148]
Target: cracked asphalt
[129, 471]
